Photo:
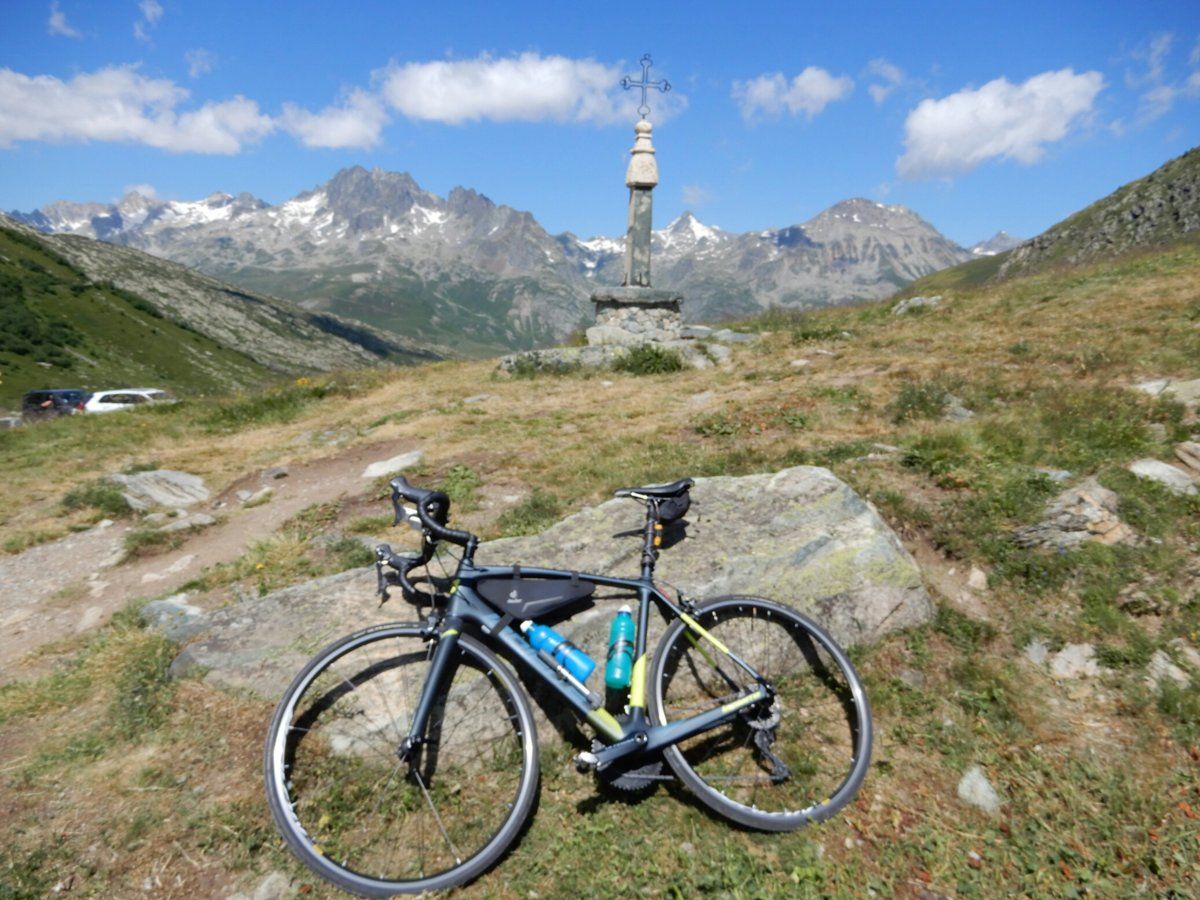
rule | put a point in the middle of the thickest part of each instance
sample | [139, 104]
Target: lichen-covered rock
[799, 536]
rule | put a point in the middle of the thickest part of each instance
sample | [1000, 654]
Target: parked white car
[125, 398]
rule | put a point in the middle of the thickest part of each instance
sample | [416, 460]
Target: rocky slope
[1158, 209]
[375, 246]
[270, 334]
[997, 243]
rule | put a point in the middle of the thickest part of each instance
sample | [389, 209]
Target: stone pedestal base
[632, 315]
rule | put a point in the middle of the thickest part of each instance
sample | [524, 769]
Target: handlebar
[433, 509]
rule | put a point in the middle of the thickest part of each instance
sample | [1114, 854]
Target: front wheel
[776, 765]
[375, 821]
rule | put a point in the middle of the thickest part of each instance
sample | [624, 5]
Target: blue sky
[978, 116]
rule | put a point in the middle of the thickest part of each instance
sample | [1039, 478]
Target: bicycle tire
[822, 721]
[359, 818]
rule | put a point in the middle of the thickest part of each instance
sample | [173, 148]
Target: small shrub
[649, 359]
[148, 541]
[460, 485]
[919, 400]
[539, 511]
[102, 496]
[144, 691]
[350, 553]
[718, 425]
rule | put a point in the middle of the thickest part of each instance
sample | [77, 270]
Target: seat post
[650, 538]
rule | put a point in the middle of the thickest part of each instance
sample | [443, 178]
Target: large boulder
[800, 536]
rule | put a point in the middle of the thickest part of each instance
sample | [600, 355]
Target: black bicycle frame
[465, 605]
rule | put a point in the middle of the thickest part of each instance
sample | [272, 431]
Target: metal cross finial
[645, 84]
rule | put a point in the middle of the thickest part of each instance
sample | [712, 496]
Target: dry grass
[1100, 780]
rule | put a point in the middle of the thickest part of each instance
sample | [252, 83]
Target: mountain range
[376, 247]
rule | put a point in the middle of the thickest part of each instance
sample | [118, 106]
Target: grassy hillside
[114, 774]
[58, 329]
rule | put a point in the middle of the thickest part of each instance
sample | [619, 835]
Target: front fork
[443, 653]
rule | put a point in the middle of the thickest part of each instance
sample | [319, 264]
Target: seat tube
[442, 655]
[637, 678]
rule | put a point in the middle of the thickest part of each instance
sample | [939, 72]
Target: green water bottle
[620, 649]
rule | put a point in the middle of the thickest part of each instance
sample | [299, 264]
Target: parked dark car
[55, 402]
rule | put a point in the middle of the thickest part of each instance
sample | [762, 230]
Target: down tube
[467, 604]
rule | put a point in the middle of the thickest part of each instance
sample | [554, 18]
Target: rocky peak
[860, 211]
[997, 243]
[353, 192]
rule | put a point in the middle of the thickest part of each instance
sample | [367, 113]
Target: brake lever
[382, 553]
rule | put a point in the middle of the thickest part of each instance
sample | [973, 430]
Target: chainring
[626, 778]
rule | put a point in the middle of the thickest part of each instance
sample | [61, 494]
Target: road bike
[404, 757]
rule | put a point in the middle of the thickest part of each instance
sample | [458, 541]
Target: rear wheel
[778, 764]
[362, 818]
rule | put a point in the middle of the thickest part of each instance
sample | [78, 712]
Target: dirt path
[75, 584]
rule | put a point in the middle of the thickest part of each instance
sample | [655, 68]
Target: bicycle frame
[637, 735]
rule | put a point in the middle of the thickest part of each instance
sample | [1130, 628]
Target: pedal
[586, 762]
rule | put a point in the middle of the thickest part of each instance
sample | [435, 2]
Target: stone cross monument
[635, 312]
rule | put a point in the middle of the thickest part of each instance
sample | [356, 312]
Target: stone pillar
[635, 313]
[640, 177]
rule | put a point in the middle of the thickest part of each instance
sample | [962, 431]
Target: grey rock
[1059, 475]
[190, 523]
[911, 303]
[1037, 651]
[275, 886]
[1174, 480]
[162, 487]
[800, 536]
[395, 465]
[155, 518]
[1087, 512]
[478, 398]
[728, 336]
[174, 617]
[1154, 387]
[1188, 453]
[1161, 667]
[262, 495]
[1075, 661]
[977, 579]
[696, 331]
[274, 473]
[912, 678]
[975, 789]
[10, 422]
[243, 494]
[1189, 654]
[955, 411]
[1184, 391]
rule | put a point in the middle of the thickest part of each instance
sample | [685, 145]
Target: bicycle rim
[774, 766]
[362, 819]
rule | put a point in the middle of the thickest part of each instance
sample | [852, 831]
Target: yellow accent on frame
[695, 626]
[603, 722]
[448, 632]
[743, 701]
[637, 683]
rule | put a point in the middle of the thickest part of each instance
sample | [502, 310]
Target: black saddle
[658, 491]
[670, 501]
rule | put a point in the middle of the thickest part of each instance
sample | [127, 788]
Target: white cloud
[694, 195]
[525, 88]
[356, 122]
[1152, 55]
[152, 12]
[1000, 120]
[1160, 95]
[891, 76]
[119, 104]
[146, 190]
[809, 93]
[199, 62]
[57, 24]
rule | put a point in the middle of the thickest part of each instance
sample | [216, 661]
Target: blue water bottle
[574, 660]
[620, 649]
